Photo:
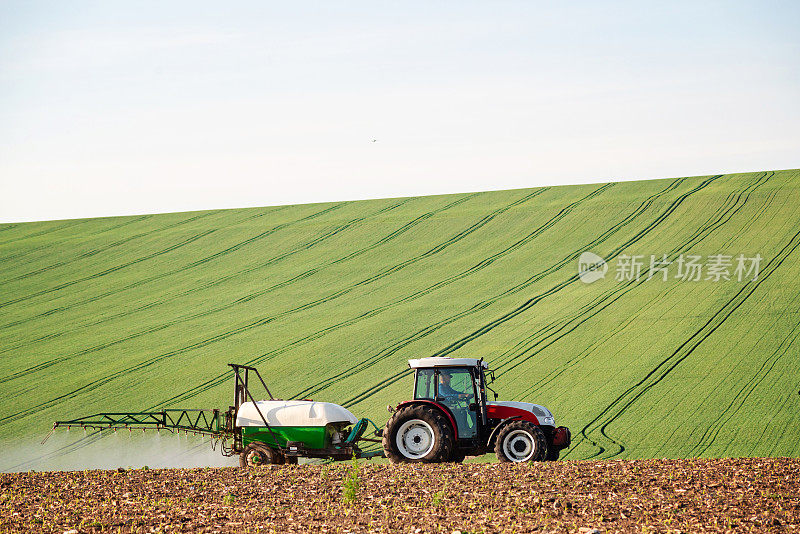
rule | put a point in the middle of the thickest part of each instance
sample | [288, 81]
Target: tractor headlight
[544, 416]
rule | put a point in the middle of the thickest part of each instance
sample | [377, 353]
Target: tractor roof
[445, 361]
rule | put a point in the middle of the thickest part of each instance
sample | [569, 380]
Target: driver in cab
[457, 402]
[445, 390]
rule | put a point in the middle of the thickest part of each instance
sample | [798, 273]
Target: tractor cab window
[425, 384]
[456, 390]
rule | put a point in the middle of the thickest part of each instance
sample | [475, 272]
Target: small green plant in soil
[351, 484]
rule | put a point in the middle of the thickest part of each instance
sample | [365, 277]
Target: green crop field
[330, 300]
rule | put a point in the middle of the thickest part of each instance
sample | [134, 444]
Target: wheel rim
[255, 458]
[518, 446]
[415, 439]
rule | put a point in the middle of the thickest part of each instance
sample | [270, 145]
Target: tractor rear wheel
[418, 434]
[521, 441]
[256, 454]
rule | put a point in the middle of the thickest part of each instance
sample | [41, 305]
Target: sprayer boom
[206, 422]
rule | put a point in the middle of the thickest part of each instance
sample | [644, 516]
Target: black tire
[256, 454]
[521, 441]
[552, 454]
[418, 434]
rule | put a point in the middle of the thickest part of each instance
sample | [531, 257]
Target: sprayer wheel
[257, 454]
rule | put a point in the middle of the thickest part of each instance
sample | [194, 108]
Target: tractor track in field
[535, 278]
[109, 270]
[384, 272]
[389, 237]
[751, 495]
[519, 287]
[69, 224]
[680, 356]
[128, 239]
[711, 433]
[579, 357]
[520, 309]
[326, 235]
[385, 353]
[554, 289]
[624, 401]
[575, 360]
[375, 311]
[266, 320]
[27, 251]
[145, 281]
[160, 275]
[745, 227]
[696, 238]
[718, 221]
[723, 214]
[52, 244]
[572, 362]
[516, 356]
[175, 224]
[250, 296]
[65, 262]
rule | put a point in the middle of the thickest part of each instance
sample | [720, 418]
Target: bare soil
[702, 495]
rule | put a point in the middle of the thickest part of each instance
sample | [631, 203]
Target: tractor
[450, 418]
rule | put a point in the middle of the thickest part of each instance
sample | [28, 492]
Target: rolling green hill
[330, 300]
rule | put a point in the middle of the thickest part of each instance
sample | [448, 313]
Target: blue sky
[114, 108]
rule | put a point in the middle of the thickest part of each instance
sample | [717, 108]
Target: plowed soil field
[725, 495]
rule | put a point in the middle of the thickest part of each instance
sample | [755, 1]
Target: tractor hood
[505, 409]
[293, 413]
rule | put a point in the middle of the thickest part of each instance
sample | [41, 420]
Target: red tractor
[450, 418]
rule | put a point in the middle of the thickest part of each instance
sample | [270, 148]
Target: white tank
[293, 413]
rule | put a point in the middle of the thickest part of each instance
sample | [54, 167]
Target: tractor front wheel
[521, 441]
[256, 454]
[418, 434]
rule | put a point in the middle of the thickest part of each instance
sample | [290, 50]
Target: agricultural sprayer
[448, 418]
[260, 431]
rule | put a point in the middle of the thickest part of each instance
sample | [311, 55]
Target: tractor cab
[458, 385]
[449, 417]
